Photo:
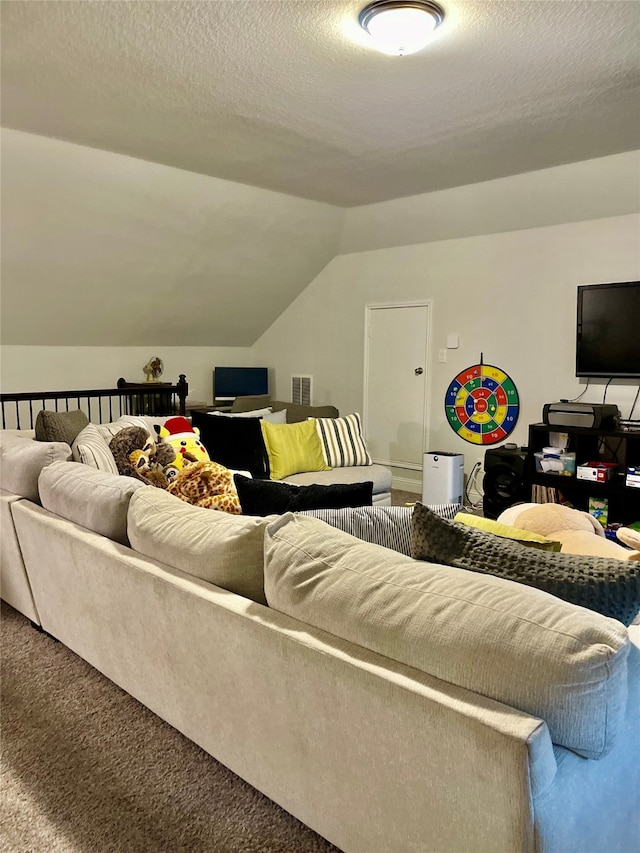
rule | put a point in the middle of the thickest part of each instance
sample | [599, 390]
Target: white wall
[591, 189]
[42, 368]
[510, 296]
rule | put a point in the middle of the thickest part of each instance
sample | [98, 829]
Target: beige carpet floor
[400, 498]
[88, 769]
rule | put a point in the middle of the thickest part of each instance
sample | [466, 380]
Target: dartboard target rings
[482, 404]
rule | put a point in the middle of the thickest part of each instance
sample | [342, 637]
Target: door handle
[418, 371]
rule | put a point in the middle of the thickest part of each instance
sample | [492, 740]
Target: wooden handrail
[119, 400]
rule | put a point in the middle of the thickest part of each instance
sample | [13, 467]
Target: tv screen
[232, 382]
[608, 330]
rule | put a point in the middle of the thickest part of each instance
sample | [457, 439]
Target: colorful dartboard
[482, 404]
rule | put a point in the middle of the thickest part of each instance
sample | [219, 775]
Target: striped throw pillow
[91, 448]
[342, 441]
[389, 526]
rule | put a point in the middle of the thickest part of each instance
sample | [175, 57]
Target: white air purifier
[442, 478]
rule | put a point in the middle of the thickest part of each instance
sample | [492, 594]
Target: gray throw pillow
[606, 585]
[60, 426]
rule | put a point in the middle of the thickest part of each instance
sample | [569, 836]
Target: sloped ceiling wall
[100, 249]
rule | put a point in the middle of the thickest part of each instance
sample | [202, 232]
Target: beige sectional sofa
[393, 706]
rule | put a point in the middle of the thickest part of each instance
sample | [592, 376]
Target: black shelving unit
[615, 445]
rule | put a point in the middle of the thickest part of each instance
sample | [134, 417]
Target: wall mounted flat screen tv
[232, 382]
[608, 330]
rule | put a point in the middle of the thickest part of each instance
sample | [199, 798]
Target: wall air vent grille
[301, 390]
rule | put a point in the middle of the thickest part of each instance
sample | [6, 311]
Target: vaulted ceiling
[278, 96]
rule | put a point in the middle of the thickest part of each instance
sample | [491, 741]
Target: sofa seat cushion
[22, 460]
[223, 549]
[265, 497]
[96, 500]
[379, 475]
[604, 584]
[503, 640]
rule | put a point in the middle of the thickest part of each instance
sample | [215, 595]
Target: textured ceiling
[276, 95]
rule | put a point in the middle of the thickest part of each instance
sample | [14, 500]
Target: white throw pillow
[255, 413]
[276, 417]
[145, 421]
[107, 431]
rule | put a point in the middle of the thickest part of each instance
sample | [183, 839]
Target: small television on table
[232, 382]
[608, 330]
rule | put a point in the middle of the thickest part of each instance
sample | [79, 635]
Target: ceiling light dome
[399, 27]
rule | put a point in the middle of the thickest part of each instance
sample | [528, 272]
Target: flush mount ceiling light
[399, 27]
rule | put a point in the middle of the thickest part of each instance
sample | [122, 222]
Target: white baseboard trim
[406, 485]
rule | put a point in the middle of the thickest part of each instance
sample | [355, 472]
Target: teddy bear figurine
[579, 532]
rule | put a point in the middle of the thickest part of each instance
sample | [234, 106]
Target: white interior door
[396, 370]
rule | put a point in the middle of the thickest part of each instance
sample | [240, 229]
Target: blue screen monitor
[232, 382]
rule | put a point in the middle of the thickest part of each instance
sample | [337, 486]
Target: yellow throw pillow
[507, 532]
[293, 448]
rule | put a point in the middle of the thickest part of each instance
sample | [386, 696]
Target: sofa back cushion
[297, 412]
[223, 549]
[250, 403]
[506, 641]
[22, 460]
[97, 500]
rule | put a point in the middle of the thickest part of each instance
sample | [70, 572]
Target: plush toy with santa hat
[185, 441]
